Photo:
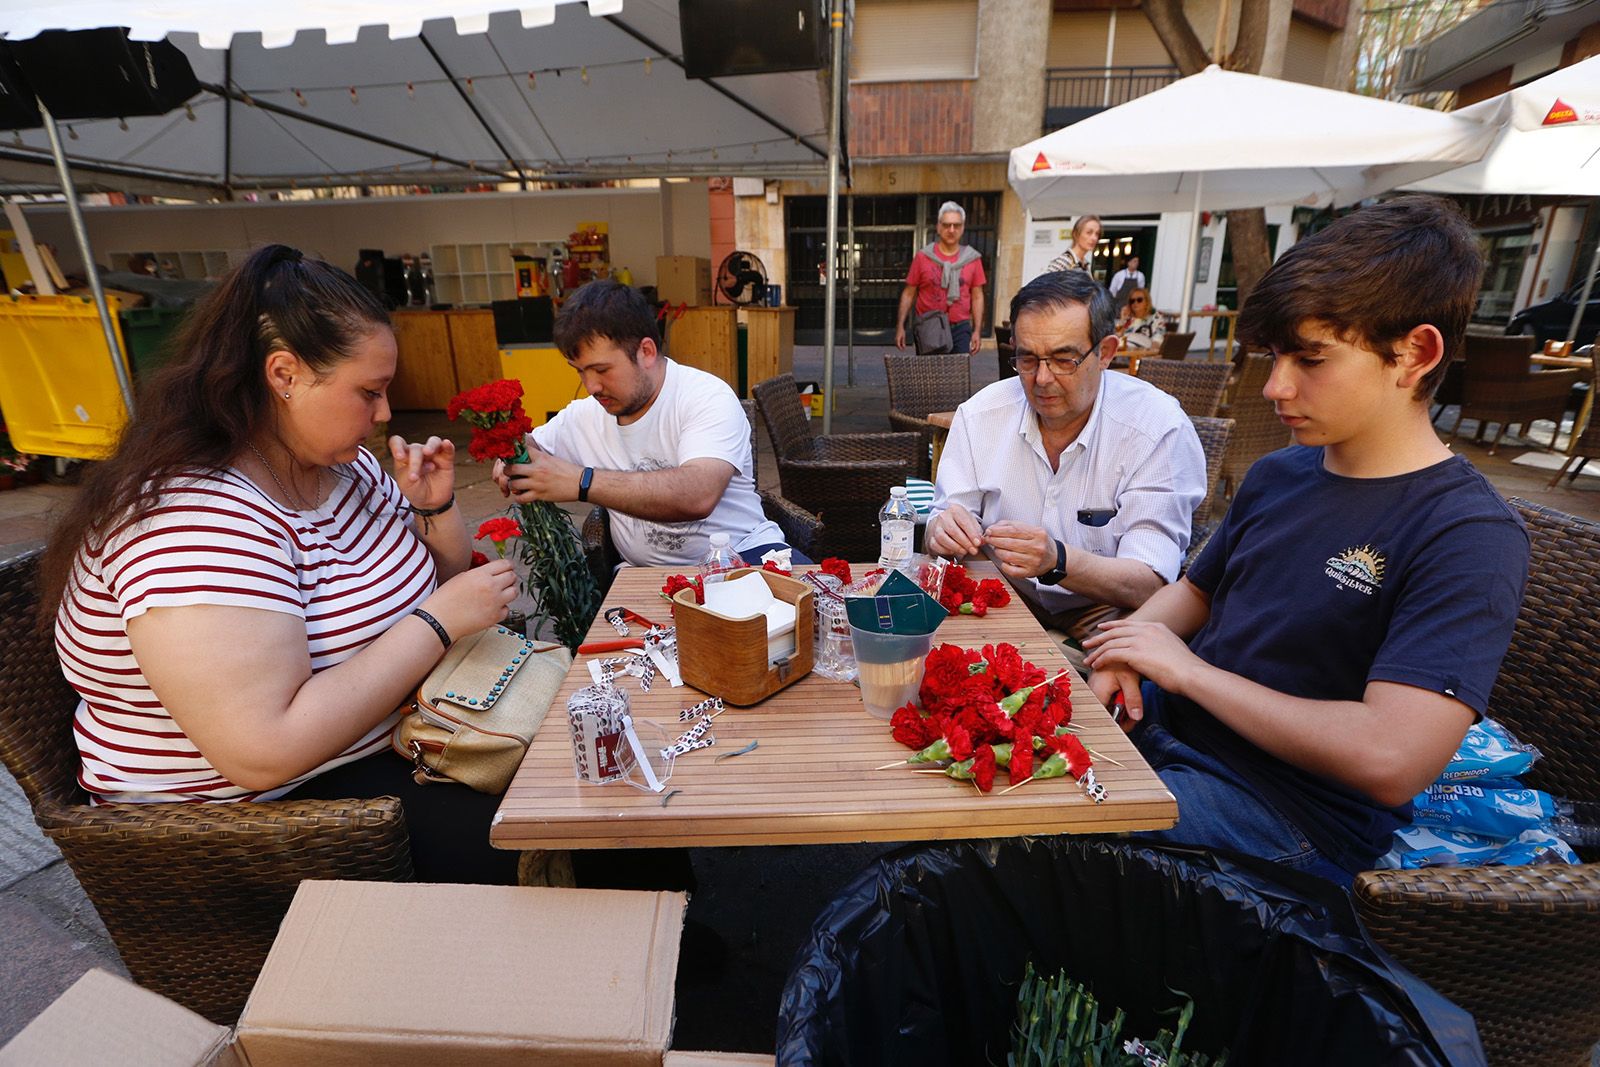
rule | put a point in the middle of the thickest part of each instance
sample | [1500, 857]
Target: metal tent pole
[1583, 297]
[79, 231]
[1187, 295]
[850, 288]
[830, 290]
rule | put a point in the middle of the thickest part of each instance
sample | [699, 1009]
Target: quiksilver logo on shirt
[1359, 568]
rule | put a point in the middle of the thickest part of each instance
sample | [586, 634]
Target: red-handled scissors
[618, 645]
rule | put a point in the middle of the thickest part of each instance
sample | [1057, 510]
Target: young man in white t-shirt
[663, 447]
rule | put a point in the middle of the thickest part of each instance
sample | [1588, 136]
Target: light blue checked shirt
[1138, 453]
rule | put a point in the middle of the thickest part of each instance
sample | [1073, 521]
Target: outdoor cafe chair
[1498, 384]
[919, 385]
[842, 478]
[1197, 386]
[1257, 429]
[1214, 435]
[1587, 446]
[192, 894]
[1519, 947]
[1175, 345]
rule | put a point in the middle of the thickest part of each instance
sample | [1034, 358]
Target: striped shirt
[349, 569]
[1138, 453]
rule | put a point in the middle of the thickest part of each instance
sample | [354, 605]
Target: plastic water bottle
[897, 521]
[1577, 822]
[719, 559]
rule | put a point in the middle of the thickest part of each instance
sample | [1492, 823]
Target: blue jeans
[1218, 809]
[961, 337]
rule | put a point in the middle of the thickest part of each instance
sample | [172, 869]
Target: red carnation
[838, 568]
[491, 398]
[478, 558]
[769, 565]
[913, 729]
[676, 582]
[1072, 750]
[1021, 756]
[983, 767]
[498, 530]
[960, 741]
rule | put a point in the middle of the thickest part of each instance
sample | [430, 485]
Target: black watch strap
[584, 483]
[1059, 574]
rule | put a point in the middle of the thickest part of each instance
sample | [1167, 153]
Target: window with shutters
[1305, 53]
[914, 40]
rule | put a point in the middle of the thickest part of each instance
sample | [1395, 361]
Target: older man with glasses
[1079, 483]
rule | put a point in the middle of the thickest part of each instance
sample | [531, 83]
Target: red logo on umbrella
[1559, 113]
[1041, 164]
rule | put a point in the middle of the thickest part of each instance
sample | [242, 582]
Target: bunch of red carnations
[558, 577]
[960, 595]
[983, 710]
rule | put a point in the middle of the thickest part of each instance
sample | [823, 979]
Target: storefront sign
[1494, 212]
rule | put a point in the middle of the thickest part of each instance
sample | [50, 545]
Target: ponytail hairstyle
[210, 399]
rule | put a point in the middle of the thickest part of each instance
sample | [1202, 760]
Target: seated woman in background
[1142, 326]
[243, 598]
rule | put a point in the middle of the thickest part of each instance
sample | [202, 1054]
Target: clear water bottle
[897, 521]
[1577, 822]
[720, 558]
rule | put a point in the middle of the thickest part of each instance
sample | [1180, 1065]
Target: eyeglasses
[1059, 368]
[1137, 300]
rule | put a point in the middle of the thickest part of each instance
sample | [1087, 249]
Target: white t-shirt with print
[695, 416]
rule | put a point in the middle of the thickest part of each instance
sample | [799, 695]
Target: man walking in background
[945, 285]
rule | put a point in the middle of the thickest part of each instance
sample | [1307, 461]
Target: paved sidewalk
[760, 900]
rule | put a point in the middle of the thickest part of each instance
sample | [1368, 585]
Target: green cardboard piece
[899, 607]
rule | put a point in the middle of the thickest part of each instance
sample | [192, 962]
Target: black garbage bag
[919, 960]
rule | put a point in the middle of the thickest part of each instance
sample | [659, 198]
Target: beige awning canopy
[357, 92]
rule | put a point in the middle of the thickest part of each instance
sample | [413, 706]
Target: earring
[286, 396]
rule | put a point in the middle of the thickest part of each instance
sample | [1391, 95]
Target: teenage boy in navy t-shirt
[1322, 660]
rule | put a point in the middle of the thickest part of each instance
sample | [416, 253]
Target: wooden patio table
[813, 777]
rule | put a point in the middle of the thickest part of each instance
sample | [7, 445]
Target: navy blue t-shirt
[1320, 584]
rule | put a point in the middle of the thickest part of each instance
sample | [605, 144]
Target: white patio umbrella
[1220, 139]
[1548, 145]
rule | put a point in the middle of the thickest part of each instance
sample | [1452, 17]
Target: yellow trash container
[58, 390]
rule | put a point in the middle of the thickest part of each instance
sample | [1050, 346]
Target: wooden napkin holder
[727, 658]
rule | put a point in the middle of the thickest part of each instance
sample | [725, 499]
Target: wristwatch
[1057, 574]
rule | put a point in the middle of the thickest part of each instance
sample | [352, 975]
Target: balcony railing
[1074, 93]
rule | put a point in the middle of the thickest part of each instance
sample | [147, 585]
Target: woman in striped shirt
[242, 596]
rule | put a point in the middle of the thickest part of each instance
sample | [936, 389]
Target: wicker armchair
[1519, 947]
[922, 384]
[1176, 345]
[1498, 385]
[1214, 435]
[1256, 427]
[1198, 386]
[843, 478]
[1587, 446]
[192, 894]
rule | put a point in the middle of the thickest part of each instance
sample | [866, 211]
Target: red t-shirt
[930, 292]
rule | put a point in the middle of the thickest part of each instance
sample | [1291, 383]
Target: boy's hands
[1126, 652]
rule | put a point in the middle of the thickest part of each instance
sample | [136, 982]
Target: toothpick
[1019, 785]
[930, 770]
[1108, 759]
[896, 763]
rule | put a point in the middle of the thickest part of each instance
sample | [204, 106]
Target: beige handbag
[477, 711]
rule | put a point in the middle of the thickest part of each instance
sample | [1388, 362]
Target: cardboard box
[379, 973]
[397, 974]
[718, 1059]
[103, 1019]
[683, 280]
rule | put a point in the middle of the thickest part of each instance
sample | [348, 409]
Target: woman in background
[1142, 326]
[1085, 238]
